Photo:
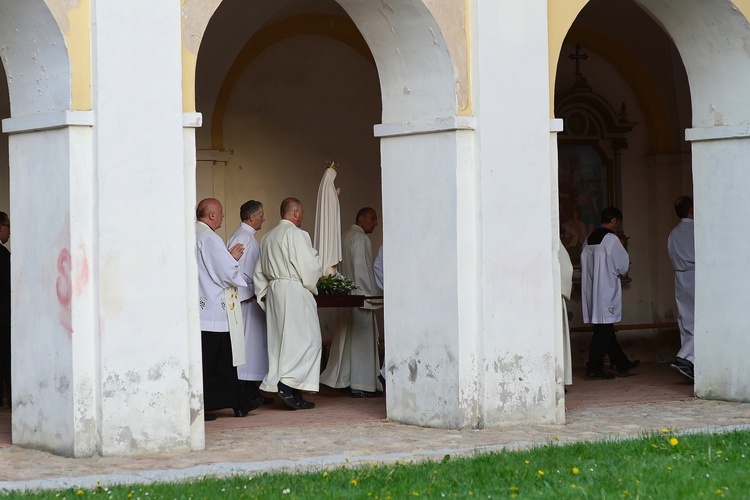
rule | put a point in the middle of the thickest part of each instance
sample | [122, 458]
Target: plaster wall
[518, 236]
[287, 117]
[721, 243]
[144, 324]
[431, 348]
[55, 393]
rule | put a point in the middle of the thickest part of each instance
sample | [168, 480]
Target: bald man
[218, 273]
[354, 360]
[286, 277]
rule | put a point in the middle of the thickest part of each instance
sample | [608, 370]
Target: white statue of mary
[327, 239]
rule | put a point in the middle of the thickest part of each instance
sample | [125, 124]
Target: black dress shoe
[252, 404]
[599, 376]
[241, 412]
[628, 369]
[356, 393]
[287, 399]
[208, 417]
[305, 405]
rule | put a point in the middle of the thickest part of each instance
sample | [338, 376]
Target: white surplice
[354, 361]
[602, 265]
[681, 248]
[286, 276]
[218, 277]
[566, 287]
[256, 345]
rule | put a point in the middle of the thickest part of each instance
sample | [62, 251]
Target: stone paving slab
[341, 431]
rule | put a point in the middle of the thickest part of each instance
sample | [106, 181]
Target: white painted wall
[721, 243]
[518, 229]
[140, 190]
[54, 334]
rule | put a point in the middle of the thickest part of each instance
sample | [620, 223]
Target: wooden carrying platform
[343, 300]
[672, 325]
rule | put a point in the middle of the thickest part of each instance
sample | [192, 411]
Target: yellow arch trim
[326, 25]
[560, 15]
[79, 48]
[660, 128]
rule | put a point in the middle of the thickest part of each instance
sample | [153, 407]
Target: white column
[429, 247]
[146, 272]
[722, 239]
[519, 225]
[56, 381]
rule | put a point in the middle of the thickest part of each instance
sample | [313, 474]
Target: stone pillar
[141, 208]
[430, 248]
[55, 320]
[518, 226]
[472, 308]
[722, 237]
[106, 339]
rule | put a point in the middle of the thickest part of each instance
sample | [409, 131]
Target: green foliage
[335, 284]
[660, 465]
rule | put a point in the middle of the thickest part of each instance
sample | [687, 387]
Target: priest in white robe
[681, 248]
[285, 282]
[256, 346]
[355, 361]
[218, 275]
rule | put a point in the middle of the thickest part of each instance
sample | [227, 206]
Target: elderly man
[681, 248]
[286, 277]
[218, 274]
[354, 360]
[256, 346]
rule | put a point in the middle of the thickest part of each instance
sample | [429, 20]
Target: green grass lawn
[662, 465]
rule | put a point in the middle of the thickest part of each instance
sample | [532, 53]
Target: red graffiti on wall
[64, 288]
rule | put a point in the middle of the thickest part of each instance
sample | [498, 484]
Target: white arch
[35, 58]
[414, 64]
[713, 39]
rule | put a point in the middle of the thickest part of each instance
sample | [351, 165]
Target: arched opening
[660, 59]
[285, 86]
[637, 160]
[280, 99]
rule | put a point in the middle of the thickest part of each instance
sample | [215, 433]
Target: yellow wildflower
[575, 470]
[673, 441]
[665, 431]
[526, 462]
[79, 492]
[354, 482]
[540, 473]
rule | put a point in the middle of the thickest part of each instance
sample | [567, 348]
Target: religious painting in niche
[585, 187]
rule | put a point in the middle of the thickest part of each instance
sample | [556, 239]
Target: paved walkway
[345, 431]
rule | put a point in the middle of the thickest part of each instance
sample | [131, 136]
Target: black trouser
[604, 342]
[5, 363]
[221, 388]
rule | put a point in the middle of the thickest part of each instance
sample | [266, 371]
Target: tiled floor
[342, 431]
[651, 384]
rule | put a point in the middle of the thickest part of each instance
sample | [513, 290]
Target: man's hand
[237, 251]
